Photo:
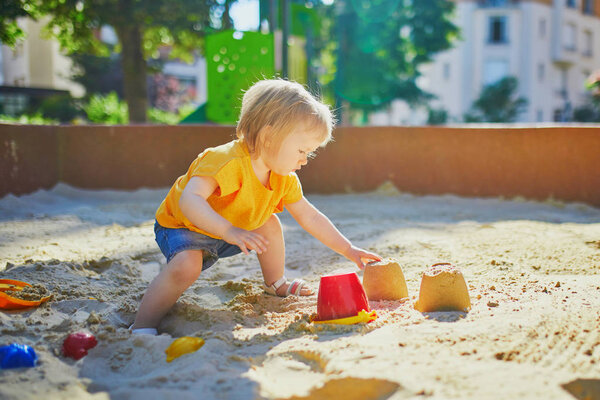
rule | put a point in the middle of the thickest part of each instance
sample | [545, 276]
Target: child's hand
[357, 255]
[245, 240]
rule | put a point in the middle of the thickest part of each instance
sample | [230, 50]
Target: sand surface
[532, 270]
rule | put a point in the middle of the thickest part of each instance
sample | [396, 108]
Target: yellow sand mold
[384, 280]
[443, 288]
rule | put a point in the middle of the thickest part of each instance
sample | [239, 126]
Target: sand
[532, 270]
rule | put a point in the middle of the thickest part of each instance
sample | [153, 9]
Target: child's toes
[306, 291]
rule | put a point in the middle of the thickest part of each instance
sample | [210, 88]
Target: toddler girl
[226, 202]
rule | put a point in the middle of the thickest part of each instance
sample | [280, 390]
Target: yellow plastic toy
[183, 345]
[362, 316]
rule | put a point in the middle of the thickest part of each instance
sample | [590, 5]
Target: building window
[542, 28]
[446, 71]
[569, 36]
[494, 70]
[558, 115]
[540, 116]
[13, 104]
[498, 30]
[541, 72]
[588, 7]
[588, 40]
[571, 3]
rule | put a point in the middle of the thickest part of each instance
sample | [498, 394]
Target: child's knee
[186, 266]
[272, 226]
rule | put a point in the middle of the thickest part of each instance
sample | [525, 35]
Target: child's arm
[318, 225]
[194, 206]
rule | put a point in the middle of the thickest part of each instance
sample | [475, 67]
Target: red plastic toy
[340, 296]
[76, 345]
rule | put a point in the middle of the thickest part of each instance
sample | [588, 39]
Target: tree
[10, 10]
[437, 116]
[379, 46]
[98, 74]
[590, 111]
[497, 103]
[141, 26]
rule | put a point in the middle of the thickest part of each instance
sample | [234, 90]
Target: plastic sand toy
[183, 345]
[17, 356]
[9, 300]
[443, 288]
[362, 317]
[76, 345]
[341, 296]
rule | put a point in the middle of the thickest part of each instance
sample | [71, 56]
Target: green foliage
[163, 117]
[592, 83]
[10, 10]
[110, 110]
[437, 116]
[62, 108]
[589, 112]
[181, 24]
[158, 116]
[98, 74]
[380, 44]
[497, 103]
[26, 119]
[106, 110]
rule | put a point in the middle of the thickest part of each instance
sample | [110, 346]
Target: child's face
[294, 152]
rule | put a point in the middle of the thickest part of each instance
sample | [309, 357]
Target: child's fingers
[243, 247]
[260, 241]
[365, 255]
[370, 256]
[256, 243]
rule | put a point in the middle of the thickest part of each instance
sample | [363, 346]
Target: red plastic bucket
[340, 296]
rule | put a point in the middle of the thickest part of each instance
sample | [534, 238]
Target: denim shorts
[173, 241]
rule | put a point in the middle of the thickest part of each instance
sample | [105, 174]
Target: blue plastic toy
[17, 356]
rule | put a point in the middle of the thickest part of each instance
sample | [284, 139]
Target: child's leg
[165, 289]
[272, 261]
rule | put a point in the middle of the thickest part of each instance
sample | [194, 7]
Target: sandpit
[532, 271]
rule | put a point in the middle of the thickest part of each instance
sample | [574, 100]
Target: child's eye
[309, 155]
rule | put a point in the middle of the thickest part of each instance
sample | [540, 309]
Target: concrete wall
[28, 158]
[537, 163]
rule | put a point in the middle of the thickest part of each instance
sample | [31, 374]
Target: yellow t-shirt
[240, 197]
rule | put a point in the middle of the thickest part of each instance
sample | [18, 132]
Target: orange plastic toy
[7, 302]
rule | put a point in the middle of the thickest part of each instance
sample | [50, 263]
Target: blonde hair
[280, 105]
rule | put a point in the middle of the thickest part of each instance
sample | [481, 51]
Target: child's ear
[265, 136]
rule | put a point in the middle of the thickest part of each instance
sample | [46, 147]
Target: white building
[550, 46]
[33, 70]
[36, 62]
